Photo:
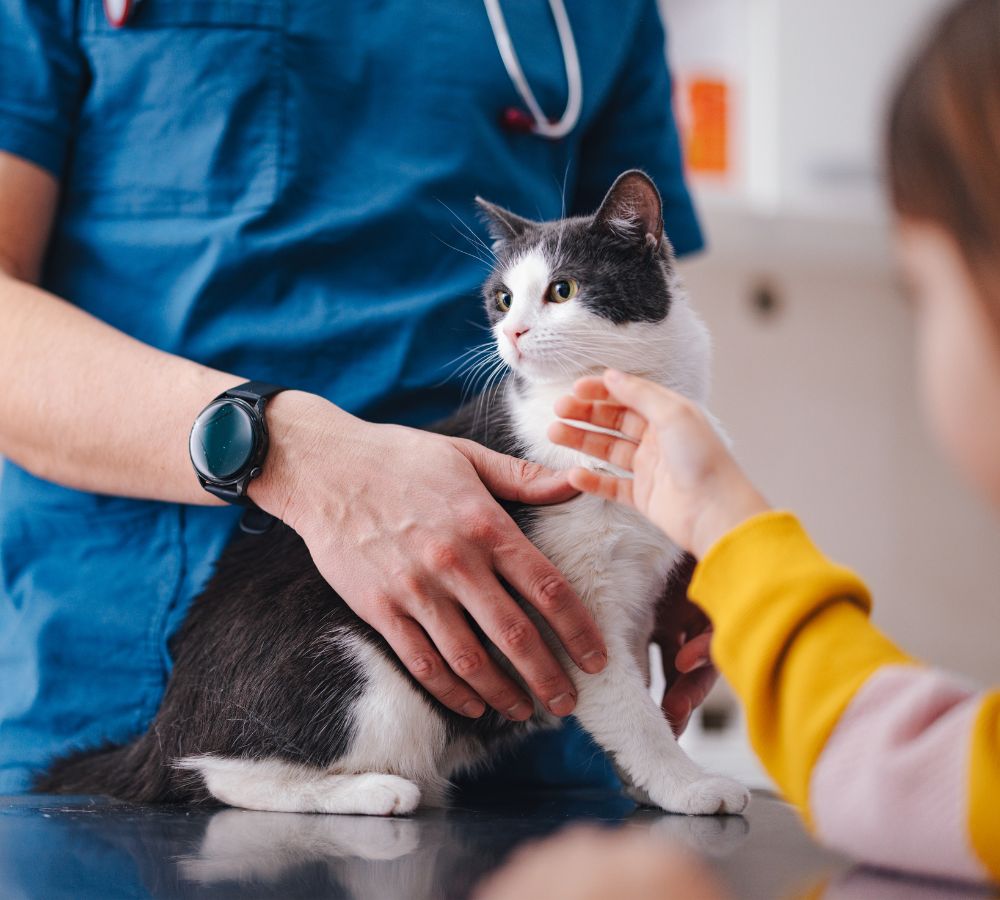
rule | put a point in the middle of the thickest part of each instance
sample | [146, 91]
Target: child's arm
[890, 761]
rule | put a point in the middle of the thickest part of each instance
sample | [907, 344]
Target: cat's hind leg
[276, 786]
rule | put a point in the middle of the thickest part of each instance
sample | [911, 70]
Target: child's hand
[685, 480]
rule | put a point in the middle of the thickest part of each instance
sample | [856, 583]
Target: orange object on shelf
[707, 138]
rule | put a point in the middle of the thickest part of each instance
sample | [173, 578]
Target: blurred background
[782, 106]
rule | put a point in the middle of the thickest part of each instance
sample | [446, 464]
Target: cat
[283, 699]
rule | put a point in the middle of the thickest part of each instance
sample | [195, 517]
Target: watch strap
[252, 391]
[231, 493]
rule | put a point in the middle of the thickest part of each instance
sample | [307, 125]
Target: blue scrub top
[264, 186]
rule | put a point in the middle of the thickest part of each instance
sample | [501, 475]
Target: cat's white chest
[614, 558]
[616, 561]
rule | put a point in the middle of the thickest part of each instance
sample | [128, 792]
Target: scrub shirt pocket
[184, 112]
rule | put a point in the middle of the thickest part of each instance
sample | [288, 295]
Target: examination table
[83, 847]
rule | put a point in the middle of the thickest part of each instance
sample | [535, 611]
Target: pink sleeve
[891, 785]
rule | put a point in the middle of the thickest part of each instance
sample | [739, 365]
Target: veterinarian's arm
[82, 403]
[891, 761]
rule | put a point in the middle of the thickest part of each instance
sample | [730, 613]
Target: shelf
[739, 235]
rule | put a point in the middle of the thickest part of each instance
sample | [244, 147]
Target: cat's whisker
[473, 234]
[494, 375]
[477, 258]
[562, 216]
[478, 240]
[464, 361]
[481, 371]
[486, 347]
[488, 352]
[494, 379]
[475, 376]
[497, 378]
[483, 346]
[476, 245]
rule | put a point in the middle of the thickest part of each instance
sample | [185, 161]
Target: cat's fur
[283, 699]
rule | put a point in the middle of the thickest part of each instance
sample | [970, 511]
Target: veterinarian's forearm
[81, 403]
[892, 762]
[88, 407]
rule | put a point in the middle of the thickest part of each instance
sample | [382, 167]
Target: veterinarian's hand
[588, 863]
[685, 479]
[403, 526]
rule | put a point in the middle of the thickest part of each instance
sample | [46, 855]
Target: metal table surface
[82, 847]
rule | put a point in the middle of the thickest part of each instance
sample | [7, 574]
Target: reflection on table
[93, 847]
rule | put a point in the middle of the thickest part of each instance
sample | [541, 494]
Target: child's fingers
[685, 695]
[612, 416]
[615, 450]
[591, 388]
[695, 654]
[607, 486]
[646, 397]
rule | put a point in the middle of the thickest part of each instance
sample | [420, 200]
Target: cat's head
[577, 295]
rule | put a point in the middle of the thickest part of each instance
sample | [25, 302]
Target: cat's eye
[503, 299]
[563, 290]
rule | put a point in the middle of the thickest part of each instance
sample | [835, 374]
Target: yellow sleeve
[984, 785]
[792, 636]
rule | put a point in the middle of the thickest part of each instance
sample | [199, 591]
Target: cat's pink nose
[515, 332]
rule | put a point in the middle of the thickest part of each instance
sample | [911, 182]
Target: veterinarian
[195, 194]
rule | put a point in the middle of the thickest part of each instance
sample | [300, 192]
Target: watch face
[222, 440]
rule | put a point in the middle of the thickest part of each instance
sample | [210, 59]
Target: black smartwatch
[228, 445]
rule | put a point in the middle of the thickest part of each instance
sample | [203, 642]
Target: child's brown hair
[944, 138]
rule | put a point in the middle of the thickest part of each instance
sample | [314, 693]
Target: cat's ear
[501, 223]
[633, 210]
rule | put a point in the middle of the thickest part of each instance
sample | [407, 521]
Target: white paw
[375, 794]
[711, 795]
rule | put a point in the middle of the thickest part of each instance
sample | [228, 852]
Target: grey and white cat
[283, 699]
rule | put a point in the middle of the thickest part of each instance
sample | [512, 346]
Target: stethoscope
[533, 119]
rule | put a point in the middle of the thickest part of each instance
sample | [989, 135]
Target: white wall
[838, 63]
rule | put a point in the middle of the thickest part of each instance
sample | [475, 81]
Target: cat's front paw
[711, 795]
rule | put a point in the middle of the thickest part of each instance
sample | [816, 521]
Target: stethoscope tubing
[571, 60]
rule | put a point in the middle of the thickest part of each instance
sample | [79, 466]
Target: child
[890, 761]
